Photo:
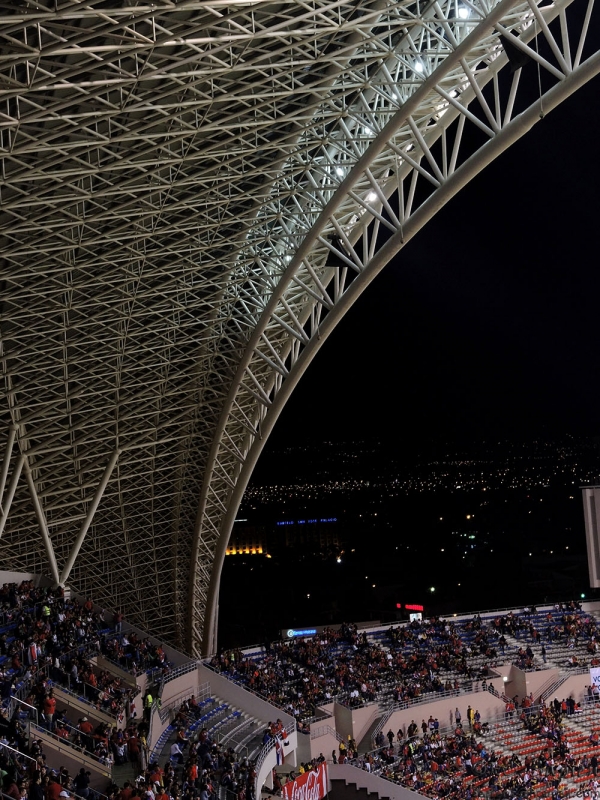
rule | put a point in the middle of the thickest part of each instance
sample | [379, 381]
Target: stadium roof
[192, 194]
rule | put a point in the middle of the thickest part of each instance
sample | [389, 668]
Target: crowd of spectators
[407, 661]
[47, 636]
[461, 763]
[198, 768]
[413, 660]
[46, 640]
[557, 633]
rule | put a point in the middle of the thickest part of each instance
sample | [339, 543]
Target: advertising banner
[310, 786]
[595, 677]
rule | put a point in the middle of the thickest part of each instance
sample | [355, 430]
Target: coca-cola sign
[310, 786]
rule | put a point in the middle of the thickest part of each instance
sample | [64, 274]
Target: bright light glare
[463, 12]
[371, 197]
[339, 171]
[418, 66]
[339, 560]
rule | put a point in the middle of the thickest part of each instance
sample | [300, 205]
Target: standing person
[87, 729]
[50, 709]
[118, 620]
[36, 791]
[175, 754]
[148, 706]
[470, 716]
[457, 717]
[81, 783]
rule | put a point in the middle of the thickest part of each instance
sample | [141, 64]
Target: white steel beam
[12, 432]
[89, 518]
[190, 194]
[12, 488]
[513, 131]
[42, 522]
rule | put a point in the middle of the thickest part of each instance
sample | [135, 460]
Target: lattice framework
[191, 195]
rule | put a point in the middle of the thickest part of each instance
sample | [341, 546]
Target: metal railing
[94, 794]
[323, 730]
[242, 685]
[387, 713]
[77, 696]
[201, 693]
[448, 730]
[67, 746]
[231, 737]
[16, 754]
[260, 759]
[550, 686]
[32, 711]
[181, 670]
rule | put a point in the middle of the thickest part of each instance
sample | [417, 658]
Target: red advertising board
[310, 786]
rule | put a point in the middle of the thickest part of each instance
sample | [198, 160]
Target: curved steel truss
[192, 194]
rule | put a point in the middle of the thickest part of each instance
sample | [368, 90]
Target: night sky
[487, 322]
[485, 327]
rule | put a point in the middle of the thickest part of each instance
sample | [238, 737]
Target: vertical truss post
[89, 517]
[41, 518]
[12, 432]
[12, 488]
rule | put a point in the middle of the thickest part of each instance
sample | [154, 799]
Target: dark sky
[485, 326]
[487, 322]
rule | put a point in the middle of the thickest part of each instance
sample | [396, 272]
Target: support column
[12, 488]
[12, 432]
[89, 517]
[41, 518]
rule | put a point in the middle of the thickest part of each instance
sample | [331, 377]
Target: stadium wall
[73, 760]
[181, 686]
[157, 727]
[514, 681]
[486, 703]
[344, 781]
[126, 677]
[325, 744]
[354, 722]
[6, 576]
[575, 686]
[239, 697]
[325, 712]
[76, 709]
[265, 772]
[536, 680]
